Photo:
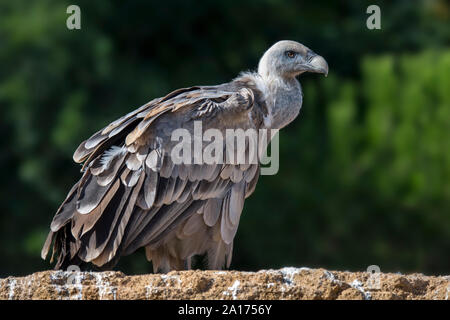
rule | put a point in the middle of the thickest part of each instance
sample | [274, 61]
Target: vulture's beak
[318, 64]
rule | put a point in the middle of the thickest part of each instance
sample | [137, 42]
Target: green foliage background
[365, 170]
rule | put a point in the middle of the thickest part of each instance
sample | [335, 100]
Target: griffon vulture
[132, 195]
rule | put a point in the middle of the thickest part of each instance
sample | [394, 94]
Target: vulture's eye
[291, 54]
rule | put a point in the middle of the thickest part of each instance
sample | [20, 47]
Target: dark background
[365, 170]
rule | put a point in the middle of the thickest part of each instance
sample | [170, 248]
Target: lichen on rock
[287, 283]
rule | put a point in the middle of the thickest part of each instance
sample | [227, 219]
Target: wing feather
[65, 211]
[115, 238]
[211, 211]
[82, 223]
[237, 198]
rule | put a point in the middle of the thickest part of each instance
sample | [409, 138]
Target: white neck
[283, 98]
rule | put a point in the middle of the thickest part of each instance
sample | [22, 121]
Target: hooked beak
[318, 64]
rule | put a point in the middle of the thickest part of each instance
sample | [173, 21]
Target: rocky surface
[286, 283]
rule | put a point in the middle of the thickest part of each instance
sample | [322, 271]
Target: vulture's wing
[131, 194]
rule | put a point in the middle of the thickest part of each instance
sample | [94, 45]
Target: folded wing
[132, 195]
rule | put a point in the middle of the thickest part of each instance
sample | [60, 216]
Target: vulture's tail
[66, 257]
[62, 248]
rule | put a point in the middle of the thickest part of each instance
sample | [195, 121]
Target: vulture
[133, 194]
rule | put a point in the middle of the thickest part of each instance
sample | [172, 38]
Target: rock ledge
[287, 283]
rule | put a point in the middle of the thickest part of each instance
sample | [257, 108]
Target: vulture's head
[288, 59]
